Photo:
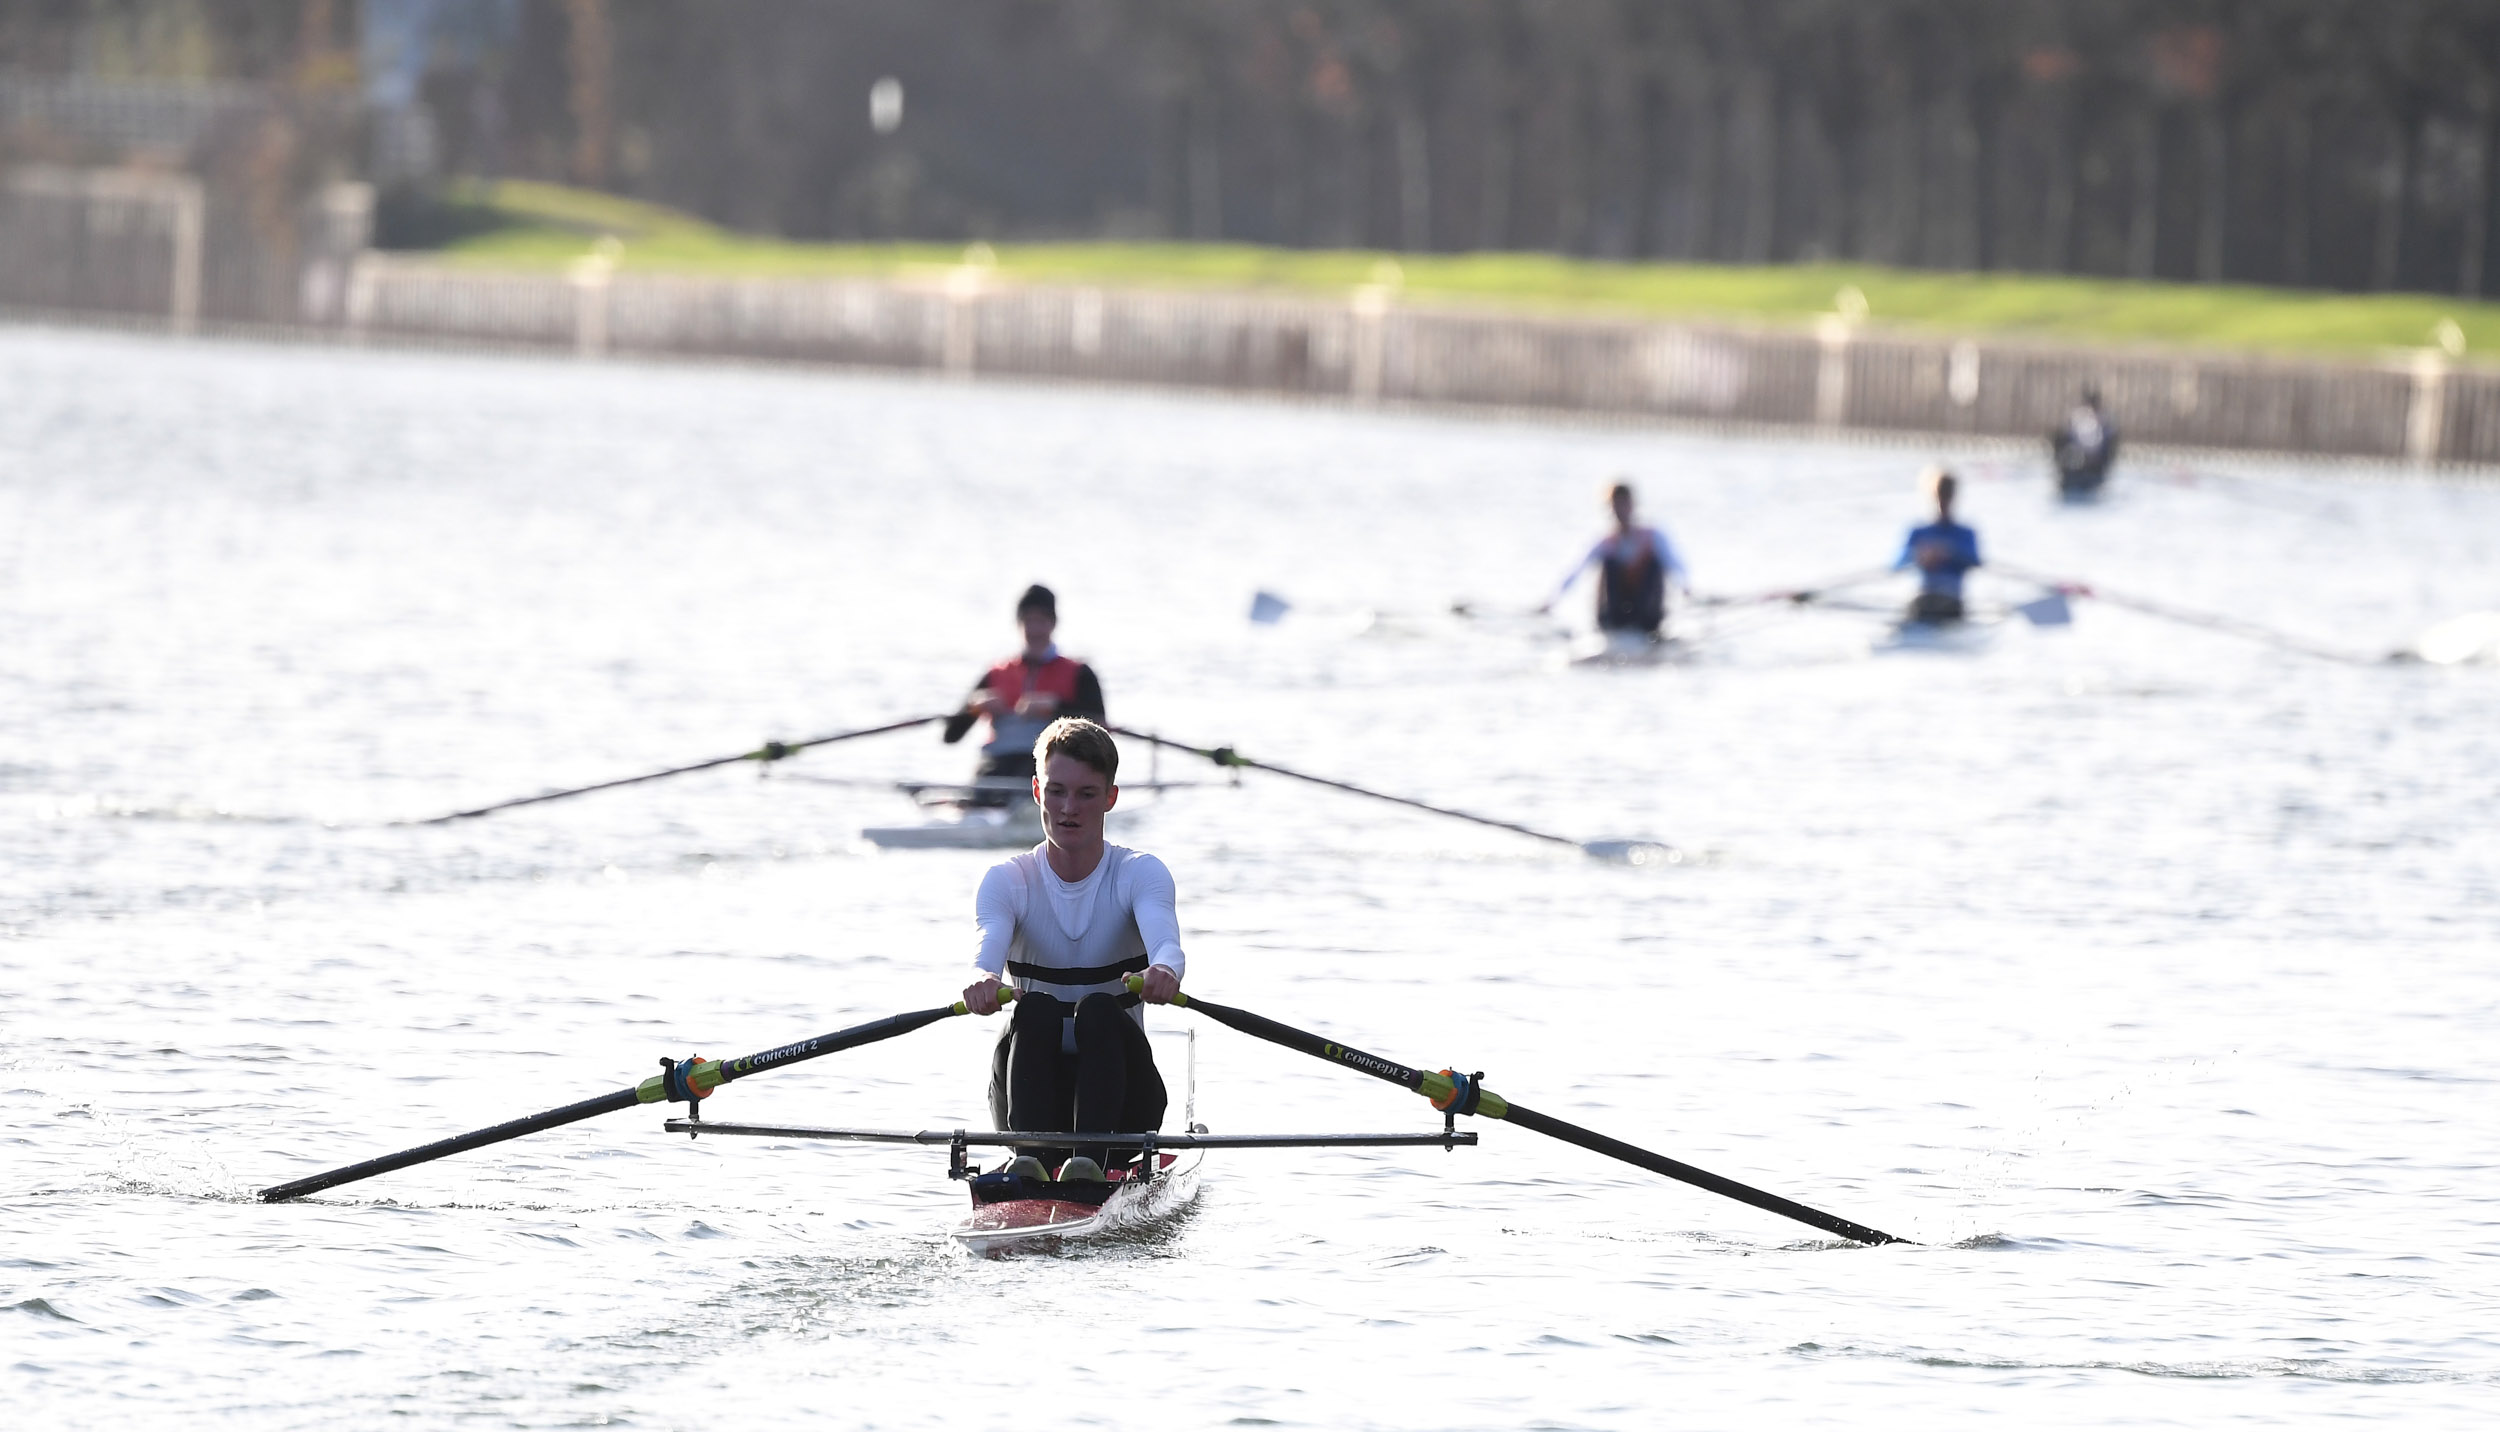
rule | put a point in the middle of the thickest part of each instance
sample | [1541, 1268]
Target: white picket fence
[117, 241]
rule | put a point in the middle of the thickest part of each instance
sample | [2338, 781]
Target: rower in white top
[1069, 921]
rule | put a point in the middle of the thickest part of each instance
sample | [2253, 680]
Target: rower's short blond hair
[1082, 739]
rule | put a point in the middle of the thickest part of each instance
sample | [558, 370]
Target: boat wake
[2217, 1369]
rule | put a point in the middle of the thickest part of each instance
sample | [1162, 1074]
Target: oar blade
[2051, 610]
[1632, 852]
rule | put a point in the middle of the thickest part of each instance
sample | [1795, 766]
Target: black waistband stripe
[1075, 974]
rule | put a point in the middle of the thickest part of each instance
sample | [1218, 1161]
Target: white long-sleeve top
[1114, 922]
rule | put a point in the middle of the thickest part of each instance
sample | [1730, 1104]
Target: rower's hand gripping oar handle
[1006, 997]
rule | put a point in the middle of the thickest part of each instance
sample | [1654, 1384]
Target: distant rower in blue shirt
[1942, 551]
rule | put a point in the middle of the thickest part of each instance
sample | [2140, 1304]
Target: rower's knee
[1096, 1011]
[1035, 1011]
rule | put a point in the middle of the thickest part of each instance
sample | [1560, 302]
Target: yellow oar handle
[1006, 995]
[1137, 985]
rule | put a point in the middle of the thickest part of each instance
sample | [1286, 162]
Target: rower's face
[1074, 799]
[1622, 503]
[1038, 626]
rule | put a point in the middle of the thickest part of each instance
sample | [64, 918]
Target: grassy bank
[542, 226]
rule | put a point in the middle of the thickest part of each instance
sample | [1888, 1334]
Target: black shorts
[1110, 1085]
[1936, 608]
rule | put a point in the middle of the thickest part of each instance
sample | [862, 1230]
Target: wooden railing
[72, 243]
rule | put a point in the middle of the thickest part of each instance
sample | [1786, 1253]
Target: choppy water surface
[2146, 978]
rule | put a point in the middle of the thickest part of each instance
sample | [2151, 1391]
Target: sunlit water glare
[2150, 980]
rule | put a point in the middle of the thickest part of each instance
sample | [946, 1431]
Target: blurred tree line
[297, 43]
[2339, 143]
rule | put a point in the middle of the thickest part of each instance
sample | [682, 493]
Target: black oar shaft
[1259, 1026]
[835, 1043]
[1226, 756]
[1809, 592]
[461, 1144]
[769, 751]
[709, 1074]
[587, 790]
[1438, 1088]
[1682, 1172]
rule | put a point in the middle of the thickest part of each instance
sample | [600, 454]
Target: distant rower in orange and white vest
[1635, 566]
[1024, 695]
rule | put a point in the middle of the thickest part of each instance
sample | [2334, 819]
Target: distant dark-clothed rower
[2083, 448]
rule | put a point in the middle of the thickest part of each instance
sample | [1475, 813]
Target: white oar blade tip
[2472, 639]
[1633, 852]
[2051, 610]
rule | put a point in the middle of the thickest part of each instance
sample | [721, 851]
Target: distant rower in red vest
[1022, 696]
[1635, 565]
